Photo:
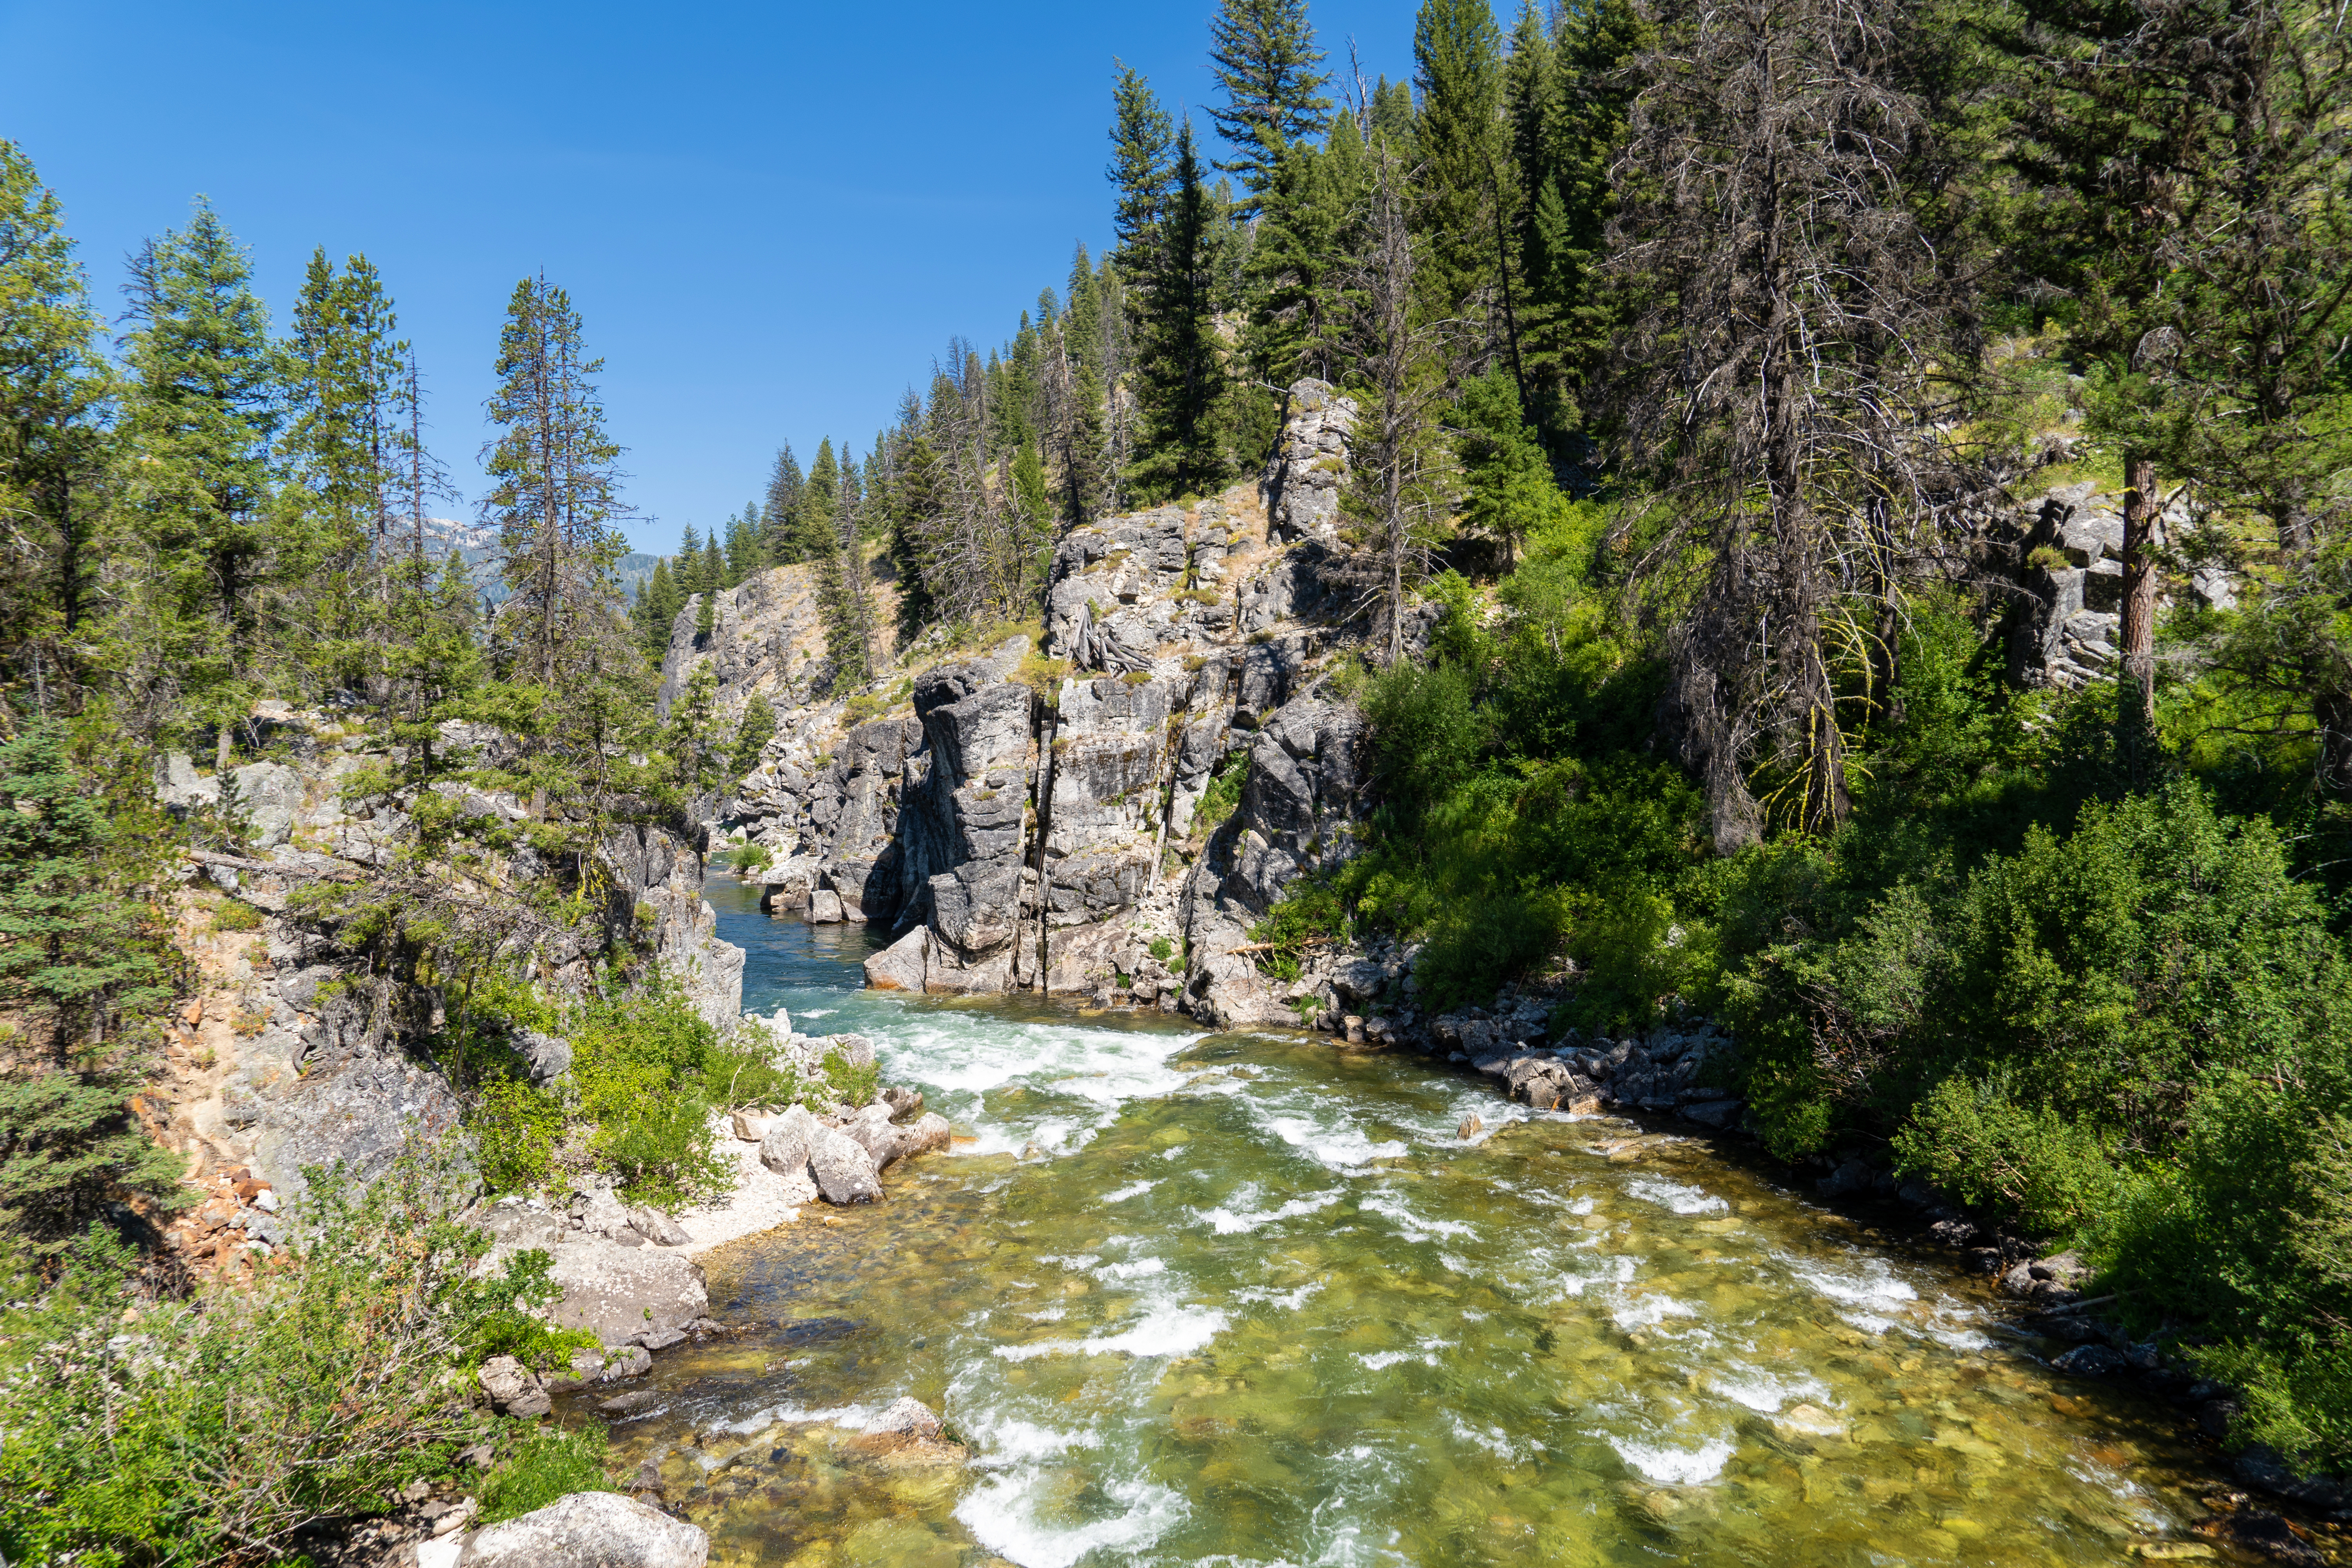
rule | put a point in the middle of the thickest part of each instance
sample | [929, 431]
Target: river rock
[656, 1227]
[784, 1146]
[842, 1168]
[2091, 1361]
[619, 1293]
[1719, 1114]
[908, 1416]
[901, 966]
[750, 1126]
[512, 1390]
[589, 1530]
[615, 1365]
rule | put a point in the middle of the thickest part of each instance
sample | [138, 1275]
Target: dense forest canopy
[1709, 363]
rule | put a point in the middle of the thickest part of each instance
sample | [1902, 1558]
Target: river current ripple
[1250, 1300]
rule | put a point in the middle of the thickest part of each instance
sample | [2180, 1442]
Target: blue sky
[770, 217]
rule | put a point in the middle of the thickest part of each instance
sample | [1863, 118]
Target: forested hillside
[1849, 524]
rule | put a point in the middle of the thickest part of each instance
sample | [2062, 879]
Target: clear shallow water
[1252, 1301]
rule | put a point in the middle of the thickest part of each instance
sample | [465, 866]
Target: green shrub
[1309, 914]
[516, 1129]
[1223, 793]
[549, 1463]
[1162, 949]
[1970, 1138]
[853, 1085]
[217, 1428]
[235, 914]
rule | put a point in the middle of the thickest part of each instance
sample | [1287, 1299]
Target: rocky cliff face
[1029, 819]
[2067, 626]
[766, 635]
[288, 1056]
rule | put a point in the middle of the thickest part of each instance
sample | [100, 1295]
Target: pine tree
[1463, 142]
[1263, 54]
[1771, 162]
[75, 968]
[662, 600]
[831, 502]
[690, 562]
[1305, 236]
[783, 519]
[201, 406]
[1569, 313]
[55, 451]
[1141, 136]
[753, 731]
[1393, 121]
[344, 400]
[1180, 372]
[556, 498]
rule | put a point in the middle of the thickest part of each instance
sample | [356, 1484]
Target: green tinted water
[1253, 1302]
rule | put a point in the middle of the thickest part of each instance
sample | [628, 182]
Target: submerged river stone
[1290, 1315]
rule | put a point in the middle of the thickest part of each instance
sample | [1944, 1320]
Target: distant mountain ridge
[476, 544]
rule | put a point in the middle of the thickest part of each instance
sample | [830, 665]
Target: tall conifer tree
[202, 404]
[1141, 138]
[56, 450]
[1263, 54]
[1180, 372]
[555, 485]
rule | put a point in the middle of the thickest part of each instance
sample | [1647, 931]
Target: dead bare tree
[1787, 376]
[1399, 361]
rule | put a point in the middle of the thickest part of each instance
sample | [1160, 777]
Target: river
[1248, 1300]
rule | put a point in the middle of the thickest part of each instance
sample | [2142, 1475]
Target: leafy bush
[1222, 795]
[549, 1463]
[218, 1428]
[647, 1074]
[235, 914]
[854, 1085]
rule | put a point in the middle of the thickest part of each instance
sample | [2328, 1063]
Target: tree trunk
[2331, 711]
[2139, 587]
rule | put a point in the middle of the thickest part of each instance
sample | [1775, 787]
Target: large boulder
[842, 1168]
[589, 1530]
[901, 966]
[620, 1292]
[873, 1130]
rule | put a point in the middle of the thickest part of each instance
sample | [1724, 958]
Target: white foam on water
[1680, 1198]
[1010, 1440]
[1346, 1148]
[1415, 1227]
[1164, 1331]
[1002, 1513]
[851, 1417]
[1616, 1271]
[1581, 1205]
[1225, 1222]
[1074, 1261]
[1674, 1467]
[1868, 1323]
[1871, 1283]
[1288, 1301]
[963, 1057]
[1050, 1315]
[1175, 1153]
[1649, 1312]
[1761, 1391]
[1380, 1361]
[815, 1012]
[1135, 1270]
[1494, 1439]
[1135, 1190]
